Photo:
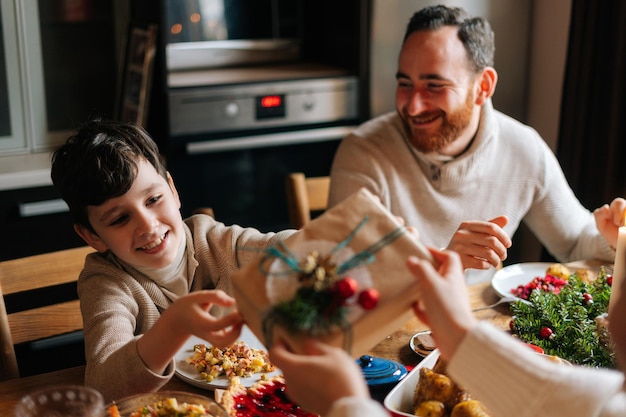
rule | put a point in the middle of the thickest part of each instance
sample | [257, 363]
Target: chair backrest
[38, 300]
[305, 196]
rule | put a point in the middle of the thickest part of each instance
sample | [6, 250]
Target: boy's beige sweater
[119, 303]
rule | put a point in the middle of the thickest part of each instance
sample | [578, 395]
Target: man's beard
[452, 125]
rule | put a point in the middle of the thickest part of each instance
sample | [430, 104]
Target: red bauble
[346, 287]
[546, 333]
[587, 298]
[609, 280]
[368, 299]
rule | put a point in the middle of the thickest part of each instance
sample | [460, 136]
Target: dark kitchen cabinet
[28, 233]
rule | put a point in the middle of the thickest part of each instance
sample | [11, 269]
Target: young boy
[155, 279]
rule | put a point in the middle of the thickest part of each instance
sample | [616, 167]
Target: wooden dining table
[394, 347]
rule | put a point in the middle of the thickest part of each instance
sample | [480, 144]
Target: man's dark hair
[474, 32]
[99, 162]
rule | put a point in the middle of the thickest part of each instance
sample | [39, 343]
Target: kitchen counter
[25, 171]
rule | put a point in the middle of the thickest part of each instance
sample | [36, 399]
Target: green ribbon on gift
[313, 313]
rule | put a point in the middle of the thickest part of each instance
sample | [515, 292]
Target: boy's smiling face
[143, 227]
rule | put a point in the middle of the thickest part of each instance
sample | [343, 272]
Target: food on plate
[265, 398]
[437, 395]
[430, 408]
[547, 283]
[426, 341]
[237, 360]
[559, 271]
[470, 408]
[570, 324]
[556, 277]
[586, 275]
[433, 386]
[165, 408]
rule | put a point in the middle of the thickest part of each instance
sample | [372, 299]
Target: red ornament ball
[588, 298]
[368, 299]
[346, 287]
[546, 333]
[609, 280]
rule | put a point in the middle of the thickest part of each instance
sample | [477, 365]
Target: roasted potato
[430, 409]
[437, 395]
[470, 408]
[432, 386]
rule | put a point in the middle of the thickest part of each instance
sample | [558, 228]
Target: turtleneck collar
[172, 278]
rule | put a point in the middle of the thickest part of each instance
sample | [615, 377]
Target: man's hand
[609, 218]
[481, 244]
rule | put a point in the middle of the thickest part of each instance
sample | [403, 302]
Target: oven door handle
[39, 208]
[274, 139]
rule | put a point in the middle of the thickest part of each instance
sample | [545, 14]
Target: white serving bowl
[399, 401]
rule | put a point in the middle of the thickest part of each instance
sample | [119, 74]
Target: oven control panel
[227, 108]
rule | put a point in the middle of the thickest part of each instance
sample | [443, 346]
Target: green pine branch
[310, 311]
[571, 318]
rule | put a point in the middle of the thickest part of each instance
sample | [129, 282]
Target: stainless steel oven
[245, 92]
[236, 133]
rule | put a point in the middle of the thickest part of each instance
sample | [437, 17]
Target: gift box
[342, 279]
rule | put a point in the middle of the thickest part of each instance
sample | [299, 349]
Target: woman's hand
[323, 375]
[443, 302]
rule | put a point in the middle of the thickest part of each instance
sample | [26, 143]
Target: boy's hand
[193, 317]
[189, 315]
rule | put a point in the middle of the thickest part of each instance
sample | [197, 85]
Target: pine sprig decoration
[570, 317]
[310, 311]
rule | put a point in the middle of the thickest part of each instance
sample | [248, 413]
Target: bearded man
[462, 173]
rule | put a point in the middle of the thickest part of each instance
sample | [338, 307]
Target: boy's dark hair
[474, 32]
[99, 162]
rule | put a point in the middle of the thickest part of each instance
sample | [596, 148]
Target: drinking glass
[61, 400]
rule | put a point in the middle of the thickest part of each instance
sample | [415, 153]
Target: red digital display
[270, 107]
[271, 101]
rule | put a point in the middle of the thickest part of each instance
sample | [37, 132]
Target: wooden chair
[43, 289]
[305, 196]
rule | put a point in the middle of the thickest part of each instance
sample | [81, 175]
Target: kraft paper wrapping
[388, 272]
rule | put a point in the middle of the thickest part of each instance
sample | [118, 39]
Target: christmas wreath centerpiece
[570, 323]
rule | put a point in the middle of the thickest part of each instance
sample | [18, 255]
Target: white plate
[189, 374]
[400, 399]
[510, 277]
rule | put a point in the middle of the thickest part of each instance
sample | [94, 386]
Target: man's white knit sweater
[507, 170]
